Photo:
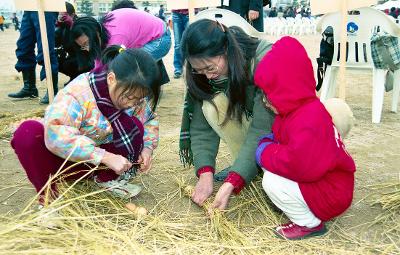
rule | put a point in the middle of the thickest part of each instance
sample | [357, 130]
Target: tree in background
[87, 8]
[305, 3]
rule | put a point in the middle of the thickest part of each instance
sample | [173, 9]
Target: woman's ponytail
[110, 53]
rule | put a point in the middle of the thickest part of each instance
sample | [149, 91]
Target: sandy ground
[375, 147]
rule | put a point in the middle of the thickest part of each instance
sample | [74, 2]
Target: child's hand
[145, 159]
[67, 20]
[117, 163]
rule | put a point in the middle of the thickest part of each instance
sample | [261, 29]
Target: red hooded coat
[307, 148]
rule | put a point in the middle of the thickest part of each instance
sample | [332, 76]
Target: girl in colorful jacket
[308, 173]
[104, 117]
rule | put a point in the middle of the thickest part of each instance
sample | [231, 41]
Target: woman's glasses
[212, 69]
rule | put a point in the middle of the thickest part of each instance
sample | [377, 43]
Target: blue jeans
[159, 48]
[180, 22]
[29, 35]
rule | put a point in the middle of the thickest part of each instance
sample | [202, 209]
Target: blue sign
[352, 28]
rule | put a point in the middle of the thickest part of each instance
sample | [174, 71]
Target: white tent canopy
[387, 5]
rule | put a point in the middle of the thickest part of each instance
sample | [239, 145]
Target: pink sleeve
[304, 159]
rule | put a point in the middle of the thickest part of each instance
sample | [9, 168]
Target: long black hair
[135, 70]
[207, 38]
[97, 34]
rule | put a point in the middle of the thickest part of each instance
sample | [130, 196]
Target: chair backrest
[360, 25]
[229, 19]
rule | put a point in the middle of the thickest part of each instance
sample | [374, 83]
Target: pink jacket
[307, 147]
[132, 28]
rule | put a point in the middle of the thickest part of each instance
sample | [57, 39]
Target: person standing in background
[161, 13]
[273, 13]
[251, 10]
[15, 21]
[180, 20]
[393, 12]
[25, 52]
[2, 23]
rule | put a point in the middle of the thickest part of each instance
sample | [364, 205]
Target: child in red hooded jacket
[308, 173]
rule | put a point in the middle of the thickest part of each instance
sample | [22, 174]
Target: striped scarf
[185, 151]
[127, 130]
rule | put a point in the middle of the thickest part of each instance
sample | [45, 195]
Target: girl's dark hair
[123, 4]
[97, 34]
[207, 38]
[134, 70]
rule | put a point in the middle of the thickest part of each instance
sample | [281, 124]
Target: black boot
[29, 89]
[45, 99]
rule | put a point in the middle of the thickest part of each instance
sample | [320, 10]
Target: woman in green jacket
[222, 103]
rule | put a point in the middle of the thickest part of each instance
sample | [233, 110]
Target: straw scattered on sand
[86, 220]
[9, 121]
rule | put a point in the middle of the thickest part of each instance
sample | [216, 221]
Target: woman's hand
[145, 160]
[117, 163]
[222, 197]
[203, 189]
[253, 15]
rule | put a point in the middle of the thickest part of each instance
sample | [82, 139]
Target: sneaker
[120, 188]
[177, 75]
[48, 217]
[292, 231]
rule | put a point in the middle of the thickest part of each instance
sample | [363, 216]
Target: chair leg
[396, 91]
[378, 89]
[328, 84]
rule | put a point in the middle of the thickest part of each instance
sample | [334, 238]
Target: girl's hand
[203, 189]
[222, 197]
[117, 163]
[67, 20]
[145, 160]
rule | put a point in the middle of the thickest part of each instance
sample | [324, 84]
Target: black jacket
[242, 8]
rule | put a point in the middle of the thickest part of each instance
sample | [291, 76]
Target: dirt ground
[375, 147]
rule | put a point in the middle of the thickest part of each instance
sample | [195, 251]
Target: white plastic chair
[289, 26]
[359, 54]
[228, 18]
